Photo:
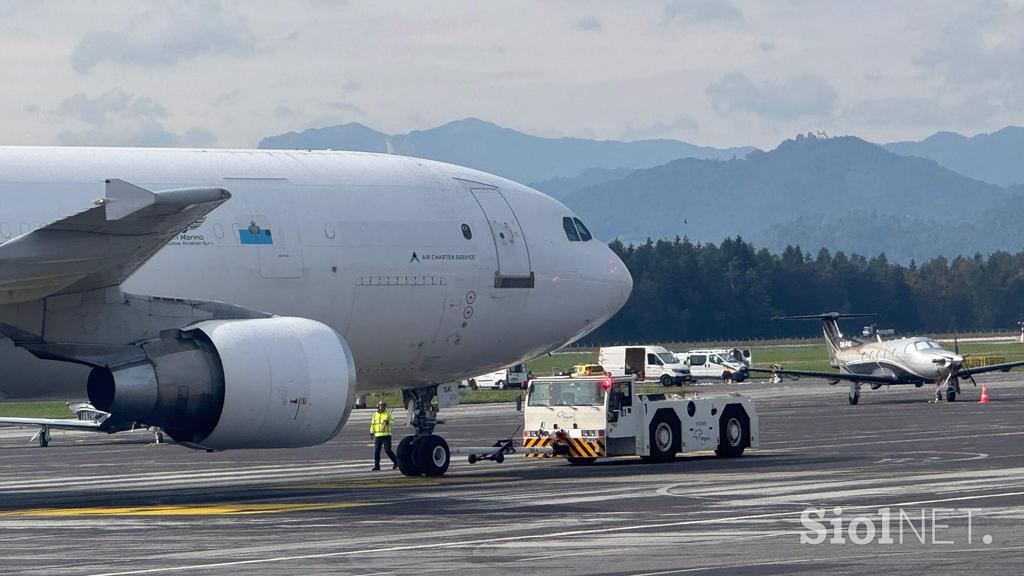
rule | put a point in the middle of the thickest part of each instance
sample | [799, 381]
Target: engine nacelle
[266, 383]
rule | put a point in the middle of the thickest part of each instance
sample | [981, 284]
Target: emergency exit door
[514, 270]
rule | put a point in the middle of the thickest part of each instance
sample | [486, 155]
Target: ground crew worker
[380, 431]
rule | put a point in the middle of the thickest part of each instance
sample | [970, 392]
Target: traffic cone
[984, 395]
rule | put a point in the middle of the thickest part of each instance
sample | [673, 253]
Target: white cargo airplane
[240, 299]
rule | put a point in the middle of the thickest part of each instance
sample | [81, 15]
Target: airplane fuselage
[916, 359]
[431, 272]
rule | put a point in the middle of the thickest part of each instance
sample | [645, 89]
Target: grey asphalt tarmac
[951, 475]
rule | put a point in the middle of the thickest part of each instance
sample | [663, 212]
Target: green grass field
[799, 357]
[35, 409]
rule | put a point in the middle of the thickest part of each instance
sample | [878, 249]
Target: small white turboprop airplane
[240, 299]
[87, 419]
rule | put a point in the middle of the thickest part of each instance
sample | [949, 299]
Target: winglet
[123, 199]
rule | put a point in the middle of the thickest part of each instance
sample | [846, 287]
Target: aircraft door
[270, 227]
[514, 270]
[623, 420]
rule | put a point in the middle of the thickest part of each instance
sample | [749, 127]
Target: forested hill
[842, 193]
[688, 291]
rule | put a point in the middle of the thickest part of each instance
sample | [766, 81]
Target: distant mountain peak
[991, 157]
[486, 146]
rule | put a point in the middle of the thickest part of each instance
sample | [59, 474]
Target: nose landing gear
[423, 453]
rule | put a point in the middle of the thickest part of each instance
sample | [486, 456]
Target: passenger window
[698, 360]
[570, 229]
[653, 360]
[584, 233]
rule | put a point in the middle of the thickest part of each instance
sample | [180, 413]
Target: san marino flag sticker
[254, 232]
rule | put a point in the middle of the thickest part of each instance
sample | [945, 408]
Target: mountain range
[945, 195]
[841, 193]
[485, 146]
[997, 157]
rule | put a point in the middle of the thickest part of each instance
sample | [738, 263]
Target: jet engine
[266, 383]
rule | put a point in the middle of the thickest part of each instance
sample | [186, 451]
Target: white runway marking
[565, 534]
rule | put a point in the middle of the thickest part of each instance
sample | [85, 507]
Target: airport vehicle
[242, 298]
[869, 359]
[587, 370]
[649, 363]
[586, 418]
[714, 365]
[87, 418]
[514, 377]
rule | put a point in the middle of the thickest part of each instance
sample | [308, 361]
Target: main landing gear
[424, 453]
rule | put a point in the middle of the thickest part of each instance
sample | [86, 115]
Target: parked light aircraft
[917, 360]
[239, 299]
[87, 419]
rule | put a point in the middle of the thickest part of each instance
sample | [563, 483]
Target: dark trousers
[384, 441]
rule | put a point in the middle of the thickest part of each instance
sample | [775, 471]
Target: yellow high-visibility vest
[380, 424]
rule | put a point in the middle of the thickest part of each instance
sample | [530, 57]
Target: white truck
[716, 365]
[586, 418]
[648, 363]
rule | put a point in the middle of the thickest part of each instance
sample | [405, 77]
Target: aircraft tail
[829, 329]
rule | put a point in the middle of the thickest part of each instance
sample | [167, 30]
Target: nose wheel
[423, 453]
[854, 393]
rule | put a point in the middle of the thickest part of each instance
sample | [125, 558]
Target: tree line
[685, 291]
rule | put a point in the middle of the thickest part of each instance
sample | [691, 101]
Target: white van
[649, 363]
[716, 365]
[514, 377]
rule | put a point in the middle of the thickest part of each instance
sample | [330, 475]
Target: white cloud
[227, 66]
[588, 24]
[117, 118]
[702, 11]
[784, 99]
[165, 34]
[918, 111]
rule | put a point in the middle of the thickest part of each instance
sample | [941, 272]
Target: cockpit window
[570, 229]
[584, 232]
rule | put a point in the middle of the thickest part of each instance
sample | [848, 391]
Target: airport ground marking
[526, 537]
[240, 509]
[396, 482]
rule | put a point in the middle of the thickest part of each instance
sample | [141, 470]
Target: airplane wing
[833, 375]
[54, 423]
[1004, 367]
[101, 246]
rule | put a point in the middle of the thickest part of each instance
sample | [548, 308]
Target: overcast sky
[713, 72]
